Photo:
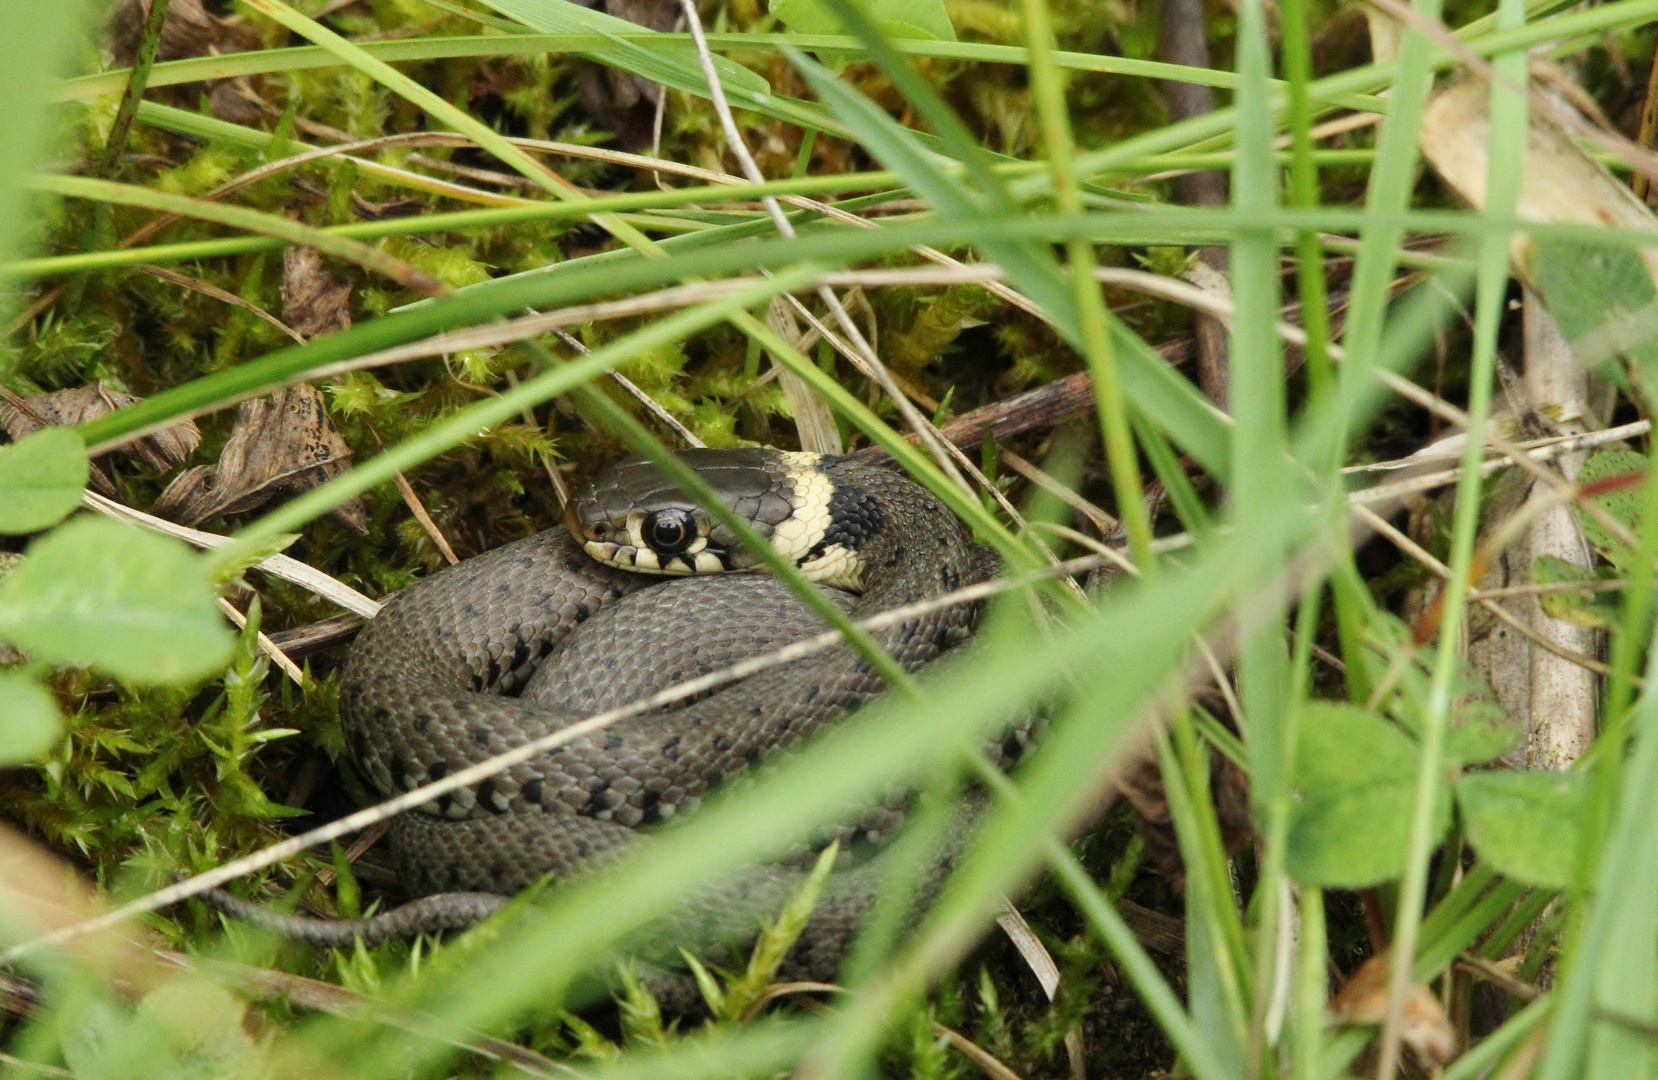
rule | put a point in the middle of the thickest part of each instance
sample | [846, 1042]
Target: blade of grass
[445, 113]
[34, 42]
[609, 277]
[302, 58]
[281, 228]
[148, 41]
[458, 427]
[1092, 331]
[1258, 481]
[637, 51]
[1508, 136]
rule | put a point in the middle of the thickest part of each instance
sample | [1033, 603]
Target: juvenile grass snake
[636, 594]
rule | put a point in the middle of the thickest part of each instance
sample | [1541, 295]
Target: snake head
[634, 517]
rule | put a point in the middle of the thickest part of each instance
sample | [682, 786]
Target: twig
[650, 403]
[280, 566]
[868, 362]
[219, 294]
[418, 509]
[266, 645]
[338, 1001]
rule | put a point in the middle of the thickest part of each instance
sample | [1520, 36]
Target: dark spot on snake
[670, 750]
[444, 802]
[438, 771]
[477, 683]
[422, 721]
[493, 673]
[941, 637]
[851, 702]
[583, 612]
[544, 647]
[752, 756]
[757, 709]
[479, 736]
[583, 848]
[486, 794]
[597, 784]
[951, 579]
[576, 566]
[520, 655]
[532, 791]
[648, 800]
[862, 666]
[612, 741]
[382, 716]
[722, 744]
[855, 518]
[703, 669]
[811, 694]
[785, 722]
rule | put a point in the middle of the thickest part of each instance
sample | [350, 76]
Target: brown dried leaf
[1423, 1025]
[161, 450]
[188, 31]
[282, 445]
[1141, 785]
[314, 301]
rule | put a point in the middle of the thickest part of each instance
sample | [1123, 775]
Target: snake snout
[634, 517]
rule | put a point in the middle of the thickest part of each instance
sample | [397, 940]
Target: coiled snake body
[514, 644]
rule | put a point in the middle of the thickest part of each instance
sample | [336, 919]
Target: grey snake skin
[519, 642]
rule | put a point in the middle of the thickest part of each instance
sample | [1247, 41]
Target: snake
[641, 589]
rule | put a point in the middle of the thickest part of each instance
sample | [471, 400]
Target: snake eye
[670, 531]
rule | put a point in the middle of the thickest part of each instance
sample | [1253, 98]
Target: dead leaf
[1141, 785]
[161, 450]
[188, 31]
[281, 446]
[1559, 182]
[314, 301]
[1423, 1025]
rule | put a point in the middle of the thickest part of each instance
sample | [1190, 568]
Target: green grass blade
[278, 228]
[458, 427]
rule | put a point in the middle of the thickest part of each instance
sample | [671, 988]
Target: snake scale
[513, 644]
